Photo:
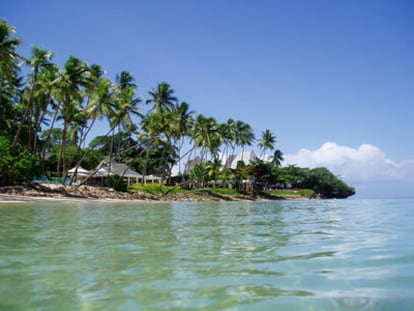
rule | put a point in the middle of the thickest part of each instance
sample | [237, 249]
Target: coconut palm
[73, 80]
[206, 135]
[228, 135]
[277, 158]
[45, 105]
[152, 125]
[183, 121]
[47, 109]
[40, 61]
[267, 142]
[117, 103]
[9, 58]
[100, 98]
[48, 82]
[244, 135]
[9, 73]
[163, 97]
[162, 120]
[40, 109]
[125, 79]
[101, 102]
[99, 105]
[125, 109]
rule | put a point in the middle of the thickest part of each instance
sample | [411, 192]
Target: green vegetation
[116, 183]
[224, 191]
[309, 193]
[155, 189]
[47, 114]
[20, 166]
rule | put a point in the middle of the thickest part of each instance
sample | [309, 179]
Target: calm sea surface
[286, 255]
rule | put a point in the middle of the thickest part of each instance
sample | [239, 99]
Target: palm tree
[244, 135]
[100, 98]
[125, 79]
[41, 60]
[163, 97]
[125, 107]
[48, 82]
[267, 142]
[9, 72]
[181, 127]
[40, 110]
[277, 158]
[206, 135]
[125, 103]
[100, 101]
[74, 79]
[152, 125]
[161, 121]
[228, 134]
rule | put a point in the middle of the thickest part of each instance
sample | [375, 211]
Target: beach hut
[105, 169]
[79, 173]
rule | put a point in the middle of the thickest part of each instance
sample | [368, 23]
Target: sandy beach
[52, 192]
[10, 198]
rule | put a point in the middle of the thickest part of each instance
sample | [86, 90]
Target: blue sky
[333, 80]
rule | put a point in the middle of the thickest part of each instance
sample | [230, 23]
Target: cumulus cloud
[362, 164]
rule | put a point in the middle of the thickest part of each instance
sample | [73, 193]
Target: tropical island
[156, 148]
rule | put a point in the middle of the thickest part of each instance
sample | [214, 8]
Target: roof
[80, 171]
[246, 156]
[119, 169]
[229, 160]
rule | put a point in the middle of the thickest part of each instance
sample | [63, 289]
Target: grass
[223, 191]
[287, 193]
[154, 189]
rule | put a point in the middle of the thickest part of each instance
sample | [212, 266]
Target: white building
[246, 156]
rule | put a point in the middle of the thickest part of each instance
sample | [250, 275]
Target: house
[106, 168]
[78, 173]
[246, 156]
[229, 160]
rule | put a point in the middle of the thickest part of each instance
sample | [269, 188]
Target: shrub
[322, 181]
[117, 183]
[21, 166]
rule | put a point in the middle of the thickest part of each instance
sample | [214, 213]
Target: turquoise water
[286, 255]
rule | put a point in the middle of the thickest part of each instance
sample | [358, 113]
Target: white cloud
[363, 164]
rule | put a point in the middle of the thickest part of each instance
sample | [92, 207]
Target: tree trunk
[25, 114]
[62, 156]
[48, 138]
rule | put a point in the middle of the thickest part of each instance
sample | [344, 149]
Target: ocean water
[275, 255]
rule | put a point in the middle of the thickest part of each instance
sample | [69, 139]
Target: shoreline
[19, 199]
[35, 193]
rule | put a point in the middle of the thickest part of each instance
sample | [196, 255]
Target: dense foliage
[326, 184]
[265, 176]
[20, 166]
[47, 113]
